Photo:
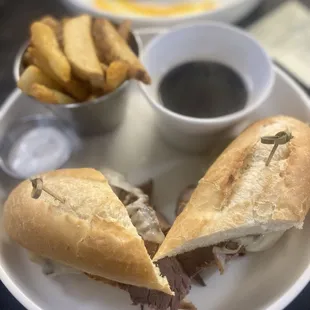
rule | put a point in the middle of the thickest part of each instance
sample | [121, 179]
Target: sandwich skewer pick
[38, 187]
[281, 137]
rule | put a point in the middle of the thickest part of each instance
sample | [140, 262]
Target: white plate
[269, 280]
[227, 11]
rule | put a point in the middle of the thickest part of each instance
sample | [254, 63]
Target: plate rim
[159, 20]
[279, 304]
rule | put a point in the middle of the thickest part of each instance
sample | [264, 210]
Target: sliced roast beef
[194, 261]
[178, 280]
[183, 199]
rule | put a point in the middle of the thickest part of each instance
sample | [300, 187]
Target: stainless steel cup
[94, 117]
[97, 116]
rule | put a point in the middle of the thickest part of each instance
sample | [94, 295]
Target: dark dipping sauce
[203, 89]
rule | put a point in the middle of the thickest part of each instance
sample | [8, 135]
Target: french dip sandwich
[108, 231]
[255, 191]
[251, 195]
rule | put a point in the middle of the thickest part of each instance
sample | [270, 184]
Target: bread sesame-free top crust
[91, 231]
[240, 195]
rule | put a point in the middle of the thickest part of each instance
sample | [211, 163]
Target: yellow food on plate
[33, 75]
[48, 95]
[154, 10]
[80, 50]
[45, 41]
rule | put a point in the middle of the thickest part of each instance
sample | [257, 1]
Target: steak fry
[80, 50]
[55, 25]
[124, 29]
[111, 46]
[115, 75]
[44, 40]
[48, 95]
[74, 87]
[33, 75]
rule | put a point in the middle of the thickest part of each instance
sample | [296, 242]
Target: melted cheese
[142, 216]
[261, 242]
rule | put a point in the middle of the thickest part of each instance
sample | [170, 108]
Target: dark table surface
[15, 17]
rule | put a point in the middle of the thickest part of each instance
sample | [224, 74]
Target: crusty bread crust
[239, 195]
[91, 231]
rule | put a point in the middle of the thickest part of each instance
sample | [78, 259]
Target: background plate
[227, 11]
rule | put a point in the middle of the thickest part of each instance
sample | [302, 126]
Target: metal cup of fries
[80, 68]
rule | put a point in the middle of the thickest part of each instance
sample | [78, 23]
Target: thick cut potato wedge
[80, 50]
[33, 75]
[45, 42]
[48, 95]
[116, 74]
[55, 25]
[124, 29]
[111, 46]
[73, 87]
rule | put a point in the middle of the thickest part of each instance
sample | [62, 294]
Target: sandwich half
[243, 203]
[109, 232]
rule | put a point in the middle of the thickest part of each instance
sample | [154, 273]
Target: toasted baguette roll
[91, 231]
[241, 196]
